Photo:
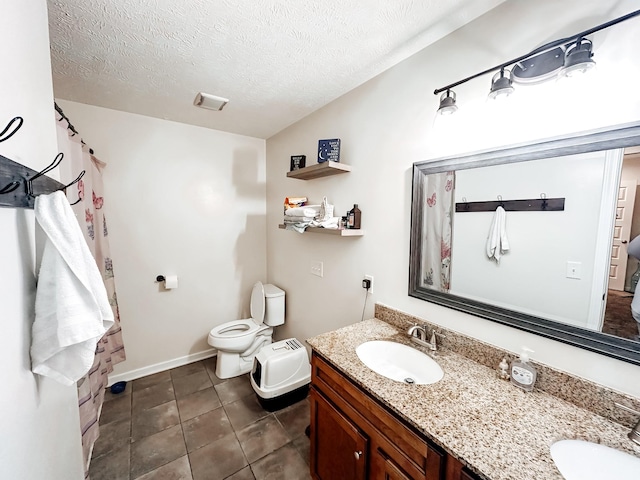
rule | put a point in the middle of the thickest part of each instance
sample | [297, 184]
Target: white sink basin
[399, 362]
[580, 460]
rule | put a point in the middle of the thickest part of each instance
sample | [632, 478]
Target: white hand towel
[331, 223]
[72, 307]
[497, 242]
[306, 211]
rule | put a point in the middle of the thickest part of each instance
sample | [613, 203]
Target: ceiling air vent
[205, 100]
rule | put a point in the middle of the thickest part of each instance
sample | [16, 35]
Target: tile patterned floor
[187, 424]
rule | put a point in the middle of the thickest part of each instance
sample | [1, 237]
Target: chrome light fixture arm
[562, 42]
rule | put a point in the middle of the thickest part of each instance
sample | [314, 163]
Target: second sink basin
[580, 460]
[399, 362]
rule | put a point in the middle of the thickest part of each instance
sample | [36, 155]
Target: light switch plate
[316, 268]
[574, 270]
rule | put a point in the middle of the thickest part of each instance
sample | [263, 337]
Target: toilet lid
[257, 303]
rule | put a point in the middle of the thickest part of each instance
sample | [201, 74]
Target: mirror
[563, 273]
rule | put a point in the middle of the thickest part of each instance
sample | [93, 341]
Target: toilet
[239, 341]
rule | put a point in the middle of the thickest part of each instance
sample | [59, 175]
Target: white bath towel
[330, 223]
[497, 242]
[72, 307]
[306, 211]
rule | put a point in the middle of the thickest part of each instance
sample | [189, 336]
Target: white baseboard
[161, 367]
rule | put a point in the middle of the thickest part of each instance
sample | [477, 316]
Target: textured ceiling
[276, 60]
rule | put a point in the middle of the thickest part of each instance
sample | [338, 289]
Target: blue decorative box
[329, 150]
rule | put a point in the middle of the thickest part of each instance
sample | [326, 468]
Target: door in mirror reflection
[625, 269]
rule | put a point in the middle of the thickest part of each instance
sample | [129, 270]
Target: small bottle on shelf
[354, 217]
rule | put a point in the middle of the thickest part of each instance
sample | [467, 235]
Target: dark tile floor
[186, 423]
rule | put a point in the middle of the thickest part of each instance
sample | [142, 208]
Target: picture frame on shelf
[297, 162]
[329, 150]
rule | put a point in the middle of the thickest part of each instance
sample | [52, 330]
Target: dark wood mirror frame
[620, 136]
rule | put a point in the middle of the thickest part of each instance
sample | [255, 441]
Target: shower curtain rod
[69, 125]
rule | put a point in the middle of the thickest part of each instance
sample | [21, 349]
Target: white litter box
[281, 374]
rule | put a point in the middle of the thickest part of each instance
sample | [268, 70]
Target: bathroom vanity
[468, 426]
[355, 437]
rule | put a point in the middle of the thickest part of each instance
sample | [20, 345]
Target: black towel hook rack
[25, 198]
[51, 166]
[10, 187]
[19, 121]
[74, 182]
[47, 169]
[542, 204]
[14, 175]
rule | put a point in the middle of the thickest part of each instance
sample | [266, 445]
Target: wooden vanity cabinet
[355, 437]
[457, 471]
[342, 445]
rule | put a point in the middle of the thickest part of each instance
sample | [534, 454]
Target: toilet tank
[274, 305]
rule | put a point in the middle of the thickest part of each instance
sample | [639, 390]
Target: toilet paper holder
[169, 282]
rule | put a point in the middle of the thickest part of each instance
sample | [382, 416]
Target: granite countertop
[496, 429]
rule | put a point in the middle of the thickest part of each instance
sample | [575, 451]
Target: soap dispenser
[523, 375]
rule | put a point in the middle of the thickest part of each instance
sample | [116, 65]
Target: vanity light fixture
[539, 68]
[447, 103]
[501, 84]
[563, 57]
[211, 102]
[578, 58]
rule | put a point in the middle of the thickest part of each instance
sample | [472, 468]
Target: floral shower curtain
[90, 215]
[436, 261]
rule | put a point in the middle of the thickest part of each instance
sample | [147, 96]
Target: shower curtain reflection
[438, 212]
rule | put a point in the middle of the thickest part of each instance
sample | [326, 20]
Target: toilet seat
[237, 336]
[236, 328]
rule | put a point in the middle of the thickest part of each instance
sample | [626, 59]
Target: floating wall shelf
[324, 169]
[332, 231]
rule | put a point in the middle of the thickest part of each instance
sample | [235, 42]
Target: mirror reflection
[561, 256]
[538, 237]
[621, 318]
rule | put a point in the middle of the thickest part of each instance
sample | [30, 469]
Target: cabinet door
[338, 448]
[464, 475]
[384, 468]
[457, 471]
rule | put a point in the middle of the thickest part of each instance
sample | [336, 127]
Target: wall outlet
[316, 269]
[370, 278]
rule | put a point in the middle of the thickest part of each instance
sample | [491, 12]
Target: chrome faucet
[418, 334]
[634, 434]
[417, 331]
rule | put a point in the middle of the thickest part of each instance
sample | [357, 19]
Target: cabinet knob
[357, 455]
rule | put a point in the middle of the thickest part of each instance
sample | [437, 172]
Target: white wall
[180, 200]
[553, 238]
[388, 123]
[39, 418]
